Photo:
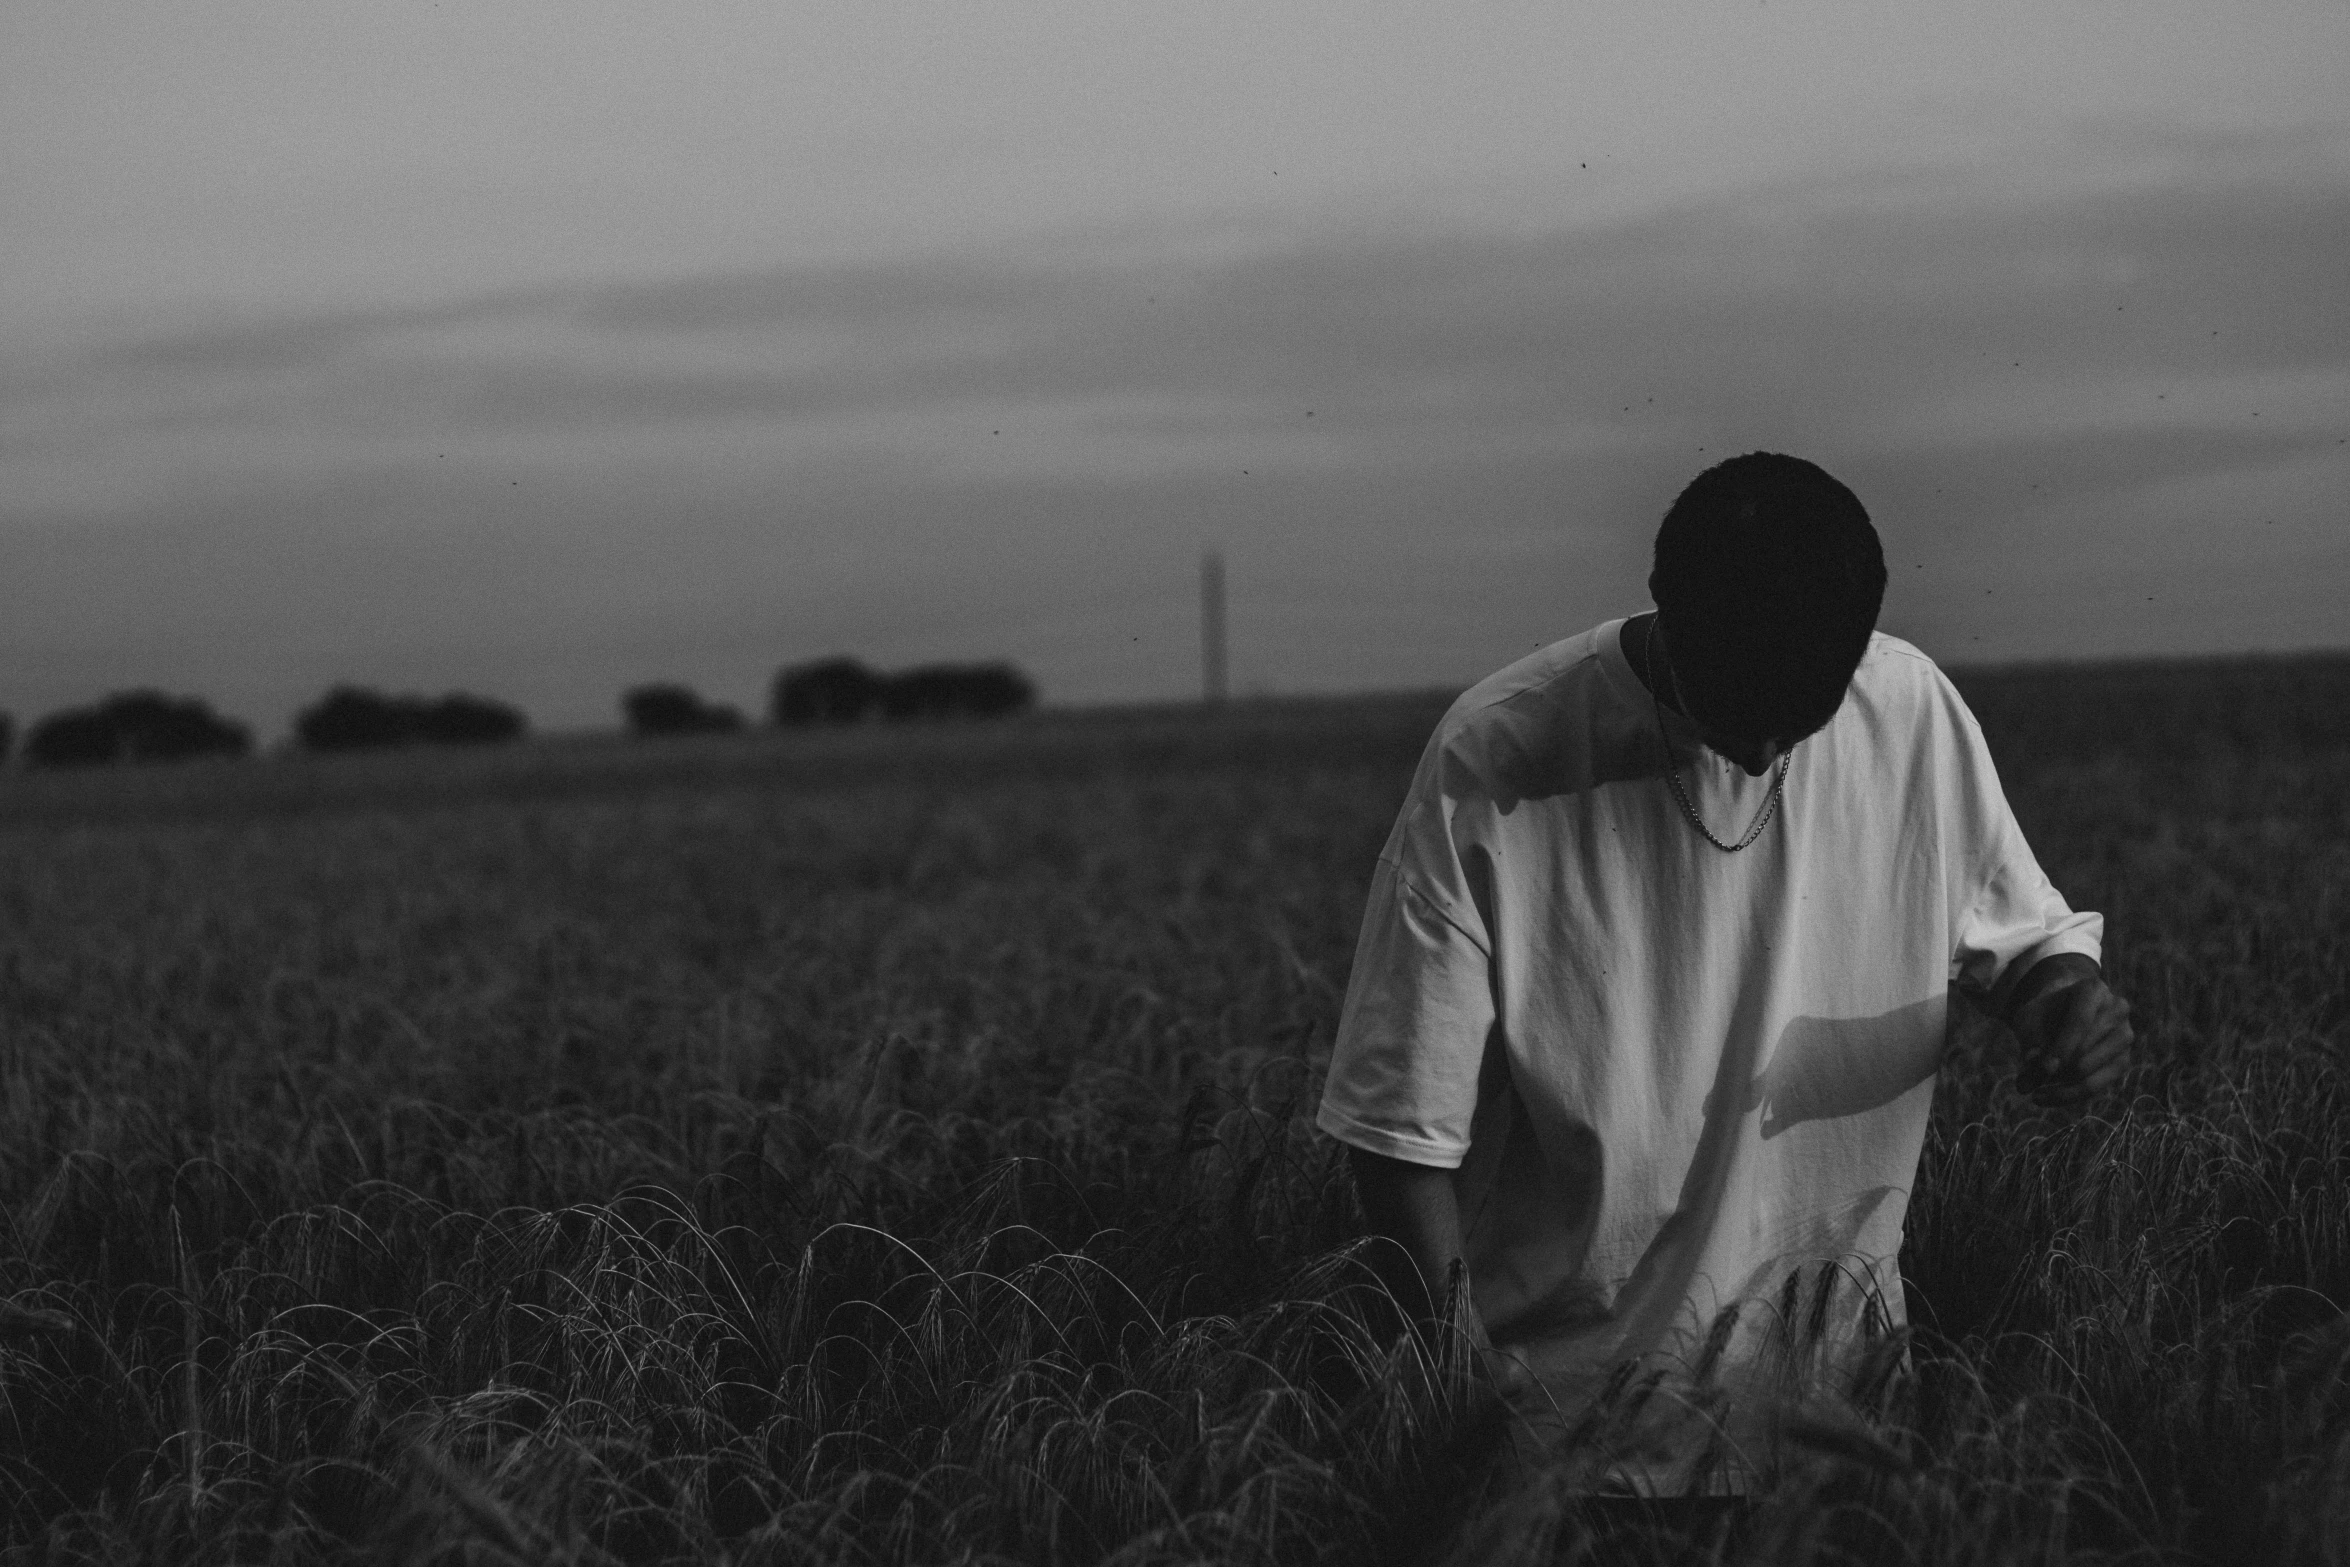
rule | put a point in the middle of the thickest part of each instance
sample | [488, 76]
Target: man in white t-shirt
[1653, 984]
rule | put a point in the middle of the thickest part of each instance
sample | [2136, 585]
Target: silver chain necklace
[1673, 766]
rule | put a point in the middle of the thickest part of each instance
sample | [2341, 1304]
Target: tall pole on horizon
[1211, 627]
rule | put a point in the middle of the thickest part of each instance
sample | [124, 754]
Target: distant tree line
[844, 691]
[840, 691]
[148, 726]
[133, 726]
[671, 709]
[353, 718]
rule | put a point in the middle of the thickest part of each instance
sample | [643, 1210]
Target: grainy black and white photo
[1492, 785]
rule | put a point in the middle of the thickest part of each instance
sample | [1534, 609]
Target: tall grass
[743, 1161]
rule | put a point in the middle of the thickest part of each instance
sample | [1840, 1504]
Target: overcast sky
[542, 349]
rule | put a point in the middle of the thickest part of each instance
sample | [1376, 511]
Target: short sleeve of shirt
[1411, 1038]
[2017, 917]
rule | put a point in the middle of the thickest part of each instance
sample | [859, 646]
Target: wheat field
[894, 1147]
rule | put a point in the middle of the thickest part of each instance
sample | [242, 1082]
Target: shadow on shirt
[1825, 1068]
[1818, 1069]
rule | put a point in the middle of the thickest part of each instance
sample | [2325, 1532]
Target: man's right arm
[1407, 1059]
[1414, 1206]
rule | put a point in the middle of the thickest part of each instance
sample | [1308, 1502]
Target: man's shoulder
[1891, 656]
[1566, 672]
[1896, 673]
[1520, 731]
[1902, 704]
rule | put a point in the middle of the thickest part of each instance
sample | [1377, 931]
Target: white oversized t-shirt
[1675, 1080]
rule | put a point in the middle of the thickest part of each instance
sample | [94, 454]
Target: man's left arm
[2074, 1031]
[2020, 948]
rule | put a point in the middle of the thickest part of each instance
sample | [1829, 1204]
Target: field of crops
[895, 1147]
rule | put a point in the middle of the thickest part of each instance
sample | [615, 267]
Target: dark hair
[1768, 575]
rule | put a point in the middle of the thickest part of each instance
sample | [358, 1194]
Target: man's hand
[2075, 1033]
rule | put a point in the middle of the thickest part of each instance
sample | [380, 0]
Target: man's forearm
[1412, 1205]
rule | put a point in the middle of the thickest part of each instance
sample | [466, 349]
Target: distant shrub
[841, 691]
[348, 718]
[828, 691]
[669, 709]
[78, 737]
[957, 691]
[458, 719]
[353, 718]
[133, 726]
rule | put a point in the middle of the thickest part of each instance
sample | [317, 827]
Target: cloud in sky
[2088, 421]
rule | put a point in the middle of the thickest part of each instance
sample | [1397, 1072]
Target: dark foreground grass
[866, 1155]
